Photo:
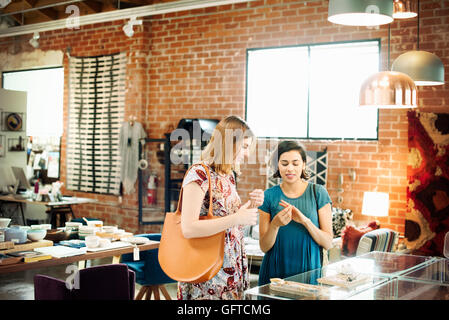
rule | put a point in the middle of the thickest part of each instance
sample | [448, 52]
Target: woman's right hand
[283, 217]
[246, 216]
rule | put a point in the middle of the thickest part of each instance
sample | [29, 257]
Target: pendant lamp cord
[417, 41]
[389, 40]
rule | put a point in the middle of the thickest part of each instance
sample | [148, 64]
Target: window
[44, 117]
[311, 91]
[45, 89]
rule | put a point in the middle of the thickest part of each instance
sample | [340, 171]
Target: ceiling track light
[34, 41]
[366, 13]
[128, 28]
[4, 3]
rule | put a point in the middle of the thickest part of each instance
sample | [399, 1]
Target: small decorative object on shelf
[16, 144]
[12, 121]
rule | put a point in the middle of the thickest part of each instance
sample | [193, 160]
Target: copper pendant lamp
[404, 9]
[423, 67]
[388, 89]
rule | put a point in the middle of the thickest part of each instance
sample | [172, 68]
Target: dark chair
[48, 288]
[104, 282]
[148, 271]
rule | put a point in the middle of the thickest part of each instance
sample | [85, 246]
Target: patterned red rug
[427, 219]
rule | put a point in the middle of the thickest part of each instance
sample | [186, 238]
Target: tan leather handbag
[191, 260]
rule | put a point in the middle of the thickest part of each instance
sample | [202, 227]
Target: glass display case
[317, 290]
[437, 271]
[387, 264]
[374, 275]
[405, 289]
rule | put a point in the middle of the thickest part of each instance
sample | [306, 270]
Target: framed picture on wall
[16, 144]
[13, 121]
[2, 145]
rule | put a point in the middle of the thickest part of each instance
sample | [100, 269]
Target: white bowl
[104, 243]
[41, 226]
[36, 234]
[4, 222]
[92, 241]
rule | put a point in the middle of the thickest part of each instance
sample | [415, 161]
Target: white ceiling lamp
[34, 41]
[388, 89]
[360, 12]
[425, 68]
[404, 9]
[128, 28]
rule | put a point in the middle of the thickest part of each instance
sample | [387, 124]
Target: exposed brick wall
[193, 64]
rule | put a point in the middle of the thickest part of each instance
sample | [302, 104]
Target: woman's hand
[256, 197]
[283, 217]
[297, 215]
[246, 216]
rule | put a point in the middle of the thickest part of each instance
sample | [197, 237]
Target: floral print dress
[232, 279]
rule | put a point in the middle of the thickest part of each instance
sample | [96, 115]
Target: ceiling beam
[31, 3]
[91, 6]
[18, 18]
[139, 2]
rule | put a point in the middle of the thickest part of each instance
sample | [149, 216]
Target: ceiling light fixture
[138, 12]
[425, 68]
[404, 9]
[360, 12]
[34, 41]
[388, 89]
[4, 3]
[128, 28]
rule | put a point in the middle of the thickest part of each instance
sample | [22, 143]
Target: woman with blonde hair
[230, 143]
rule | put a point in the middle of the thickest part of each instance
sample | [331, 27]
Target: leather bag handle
[179, 207]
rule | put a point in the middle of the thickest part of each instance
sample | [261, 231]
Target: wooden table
[53, 206]
[81, 259]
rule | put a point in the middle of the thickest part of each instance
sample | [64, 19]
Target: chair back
[48, 288]
[105, 282]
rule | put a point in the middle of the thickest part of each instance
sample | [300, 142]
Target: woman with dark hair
[295, 220]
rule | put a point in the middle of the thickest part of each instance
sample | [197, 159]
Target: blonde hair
[218, 153]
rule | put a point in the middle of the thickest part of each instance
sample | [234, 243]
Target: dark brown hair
[286, 146]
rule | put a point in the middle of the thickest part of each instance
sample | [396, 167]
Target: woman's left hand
[297, 215]
[256, 197]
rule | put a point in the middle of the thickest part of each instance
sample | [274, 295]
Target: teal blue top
[294, 251]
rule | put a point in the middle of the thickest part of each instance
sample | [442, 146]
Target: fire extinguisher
[151, 196]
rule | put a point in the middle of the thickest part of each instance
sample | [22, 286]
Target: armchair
[105, 282]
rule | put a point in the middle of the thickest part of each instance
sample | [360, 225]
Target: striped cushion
[377, 240]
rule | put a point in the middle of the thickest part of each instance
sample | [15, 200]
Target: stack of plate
[84, 231]
[72, 228]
